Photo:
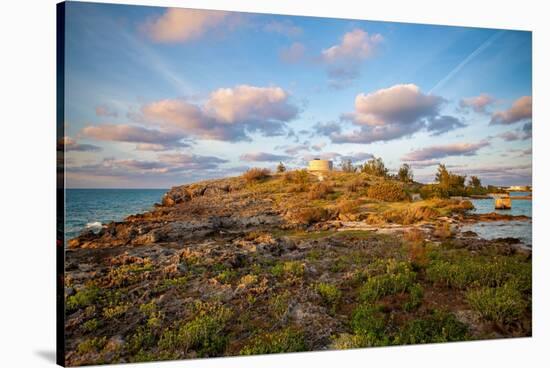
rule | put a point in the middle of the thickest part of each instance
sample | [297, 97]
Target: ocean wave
[94, 226]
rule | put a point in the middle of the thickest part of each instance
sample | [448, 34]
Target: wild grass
[398, 278]
[203, 334]
[502, 304]
[282, 341]
[330, 294]
[256, 174]
[437, 327]
[386, 191]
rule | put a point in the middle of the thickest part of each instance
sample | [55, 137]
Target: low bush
[203, 334]
[502, 304]
[437, 327]
[330, 294]
[386, 191]
[348, 206]
[283, 341]
[293, 268]
[320, 191]
[309, 215]
[463, 272]
[443, 231]
[83, 298]
[416, 293]
[94, 344]
[398, 278]
[410, 215]
[256, 174]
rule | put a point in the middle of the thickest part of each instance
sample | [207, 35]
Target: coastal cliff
[274, 263]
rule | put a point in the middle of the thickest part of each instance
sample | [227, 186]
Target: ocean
[91, 208]
[522, 230]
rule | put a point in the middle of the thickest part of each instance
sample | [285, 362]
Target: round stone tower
[319, 165]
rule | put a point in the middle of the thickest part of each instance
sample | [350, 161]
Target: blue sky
[157, 97]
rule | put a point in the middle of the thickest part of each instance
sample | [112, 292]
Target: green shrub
[330, 294]
[115, 311]
[416, 293]
[283, 341]
[94, 344]
[204, 333]
[398, 278]
[293, 268]
[502, 304]
[83, 298]
[91, 325]
[465, 271]
[386, 191]
[437, 327]
[141, 339]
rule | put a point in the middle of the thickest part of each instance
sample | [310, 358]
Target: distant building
[519, 188]
[319, 165]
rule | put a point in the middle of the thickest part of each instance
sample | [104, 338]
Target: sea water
[502, 229]
[92, 208]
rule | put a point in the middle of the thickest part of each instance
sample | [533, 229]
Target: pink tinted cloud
[228, 114]
[182, 25]
[441, 151]
[521, 109]
[477, 103]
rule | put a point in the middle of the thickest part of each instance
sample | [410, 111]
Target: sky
[157, 97]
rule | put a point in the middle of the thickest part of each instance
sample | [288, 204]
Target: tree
[474, 182]
[281, 168]
[347, 166]
[375, 166]
[405, 173]
[442, 176]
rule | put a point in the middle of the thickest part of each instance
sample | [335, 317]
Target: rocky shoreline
[227, 267]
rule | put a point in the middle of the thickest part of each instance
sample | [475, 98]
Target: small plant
[416, 293]
[141, 339]
[278, 304]
[320, 191]
[437, 327]
[202, 334]
[91, 325]
[348, 206]
[330, 294]
[293, 268]
[283, 341]
[386, 191]
[83, 297]
[115, 311]
[95, 344]
[443, 231]
[309, 215]
[503, 304]
[256, 174]
[281, 167]
[398, 278]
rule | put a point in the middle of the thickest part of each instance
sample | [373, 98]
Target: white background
[27, 179]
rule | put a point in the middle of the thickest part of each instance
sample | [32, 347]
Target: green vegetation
[437, 327]
[293, 268]
[330, 294]
[91, 325]
[283, 341]
[83, 297]
[95, 344]
[462, 271]
[375, 167]
[416, 293]
[405, 173]
[204, 333]
[398, 278]
[502, 304]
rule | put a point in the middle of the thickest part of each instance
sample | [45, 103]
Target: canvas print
[240, 184]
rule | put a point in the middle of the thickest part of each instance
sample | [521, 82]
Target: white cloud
[440, 151]
[354, 45]
[182, 25]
